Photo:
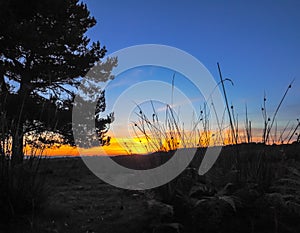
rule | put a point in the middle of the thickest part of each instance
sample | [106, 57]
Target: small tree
[43, 50]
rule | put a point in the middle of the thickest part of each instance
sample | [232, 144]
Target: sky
[255, 42]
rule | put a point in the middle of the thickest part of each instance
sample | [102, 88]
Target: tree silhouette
[43, 52]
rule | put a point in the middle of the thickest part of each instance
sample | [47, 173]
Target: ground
[81, 202]
[251, 188]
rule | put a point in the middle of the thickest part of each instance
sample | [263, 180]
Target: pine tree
[43, 49]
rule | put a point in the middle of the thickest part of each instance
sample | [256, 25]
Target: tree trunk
[18, 133]
[17, 146]
[3, 86]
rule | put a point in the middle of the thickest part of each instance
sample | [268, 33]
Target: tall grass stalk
[220, 124]
[266, 119]
[280, 140]
[227, 106]
[248, 127]
[293, 133]
[276, 111]
[288, 134]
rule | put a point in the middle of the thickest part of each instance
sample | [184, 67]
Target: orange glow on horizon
[115, 148]
[138, 145]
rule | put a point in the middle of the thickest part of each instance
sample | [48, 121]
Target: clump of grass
[160, 136]
[170, 134]
[22, 190]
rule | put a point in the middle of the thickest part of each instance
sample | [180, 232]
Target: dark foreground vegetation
[251, 188]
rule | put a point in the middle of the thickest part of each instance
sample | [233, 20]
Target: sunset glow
[140, 145]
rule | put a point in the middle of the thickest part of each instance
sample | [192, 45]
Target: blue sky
[256, 43]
